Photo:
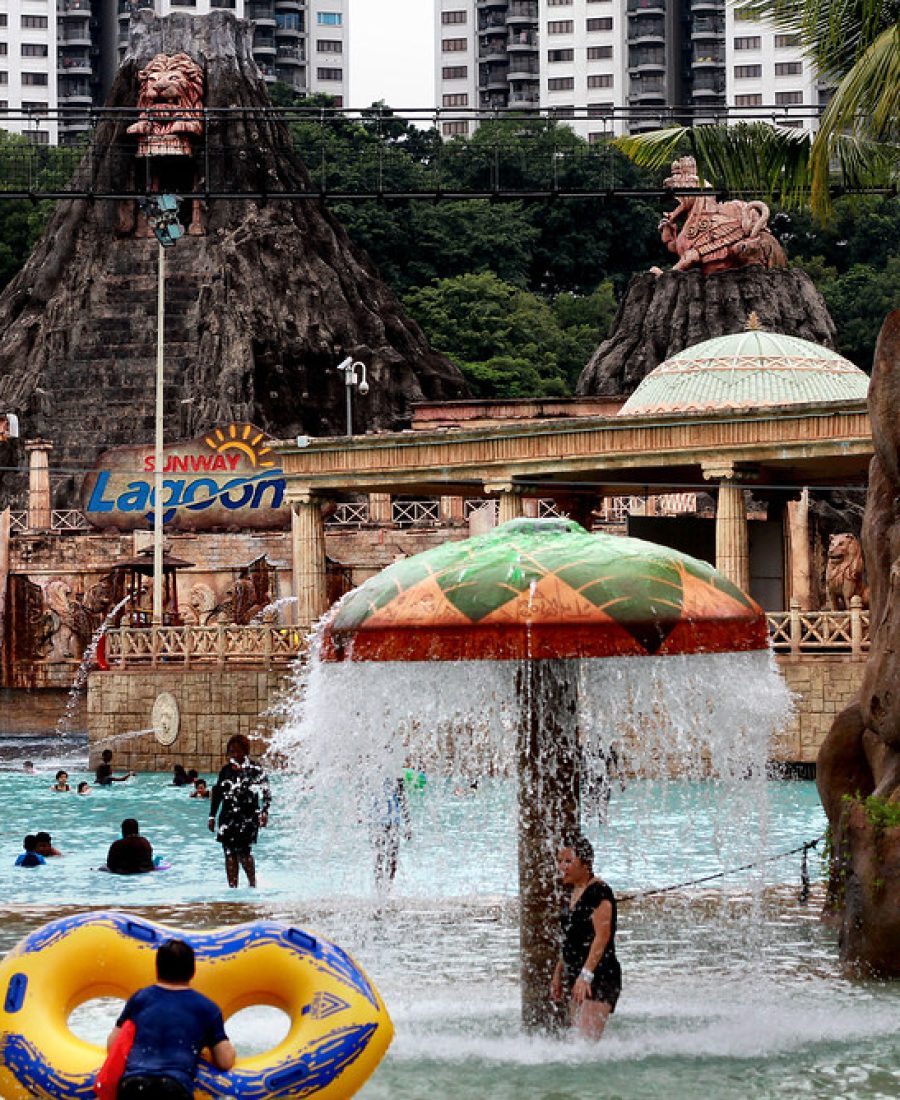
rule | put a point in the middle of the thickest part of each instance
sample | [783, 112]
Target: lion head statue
[171, 93]
[844, 572]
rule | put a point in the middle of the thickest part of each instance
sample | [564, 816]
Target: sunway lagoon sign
[225, 478]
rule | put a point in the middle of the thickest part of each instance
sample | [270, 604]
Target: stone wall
[823, 687]
[213, 703]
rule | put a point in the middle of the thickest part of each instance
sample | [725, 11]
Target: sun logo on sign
[244, 438]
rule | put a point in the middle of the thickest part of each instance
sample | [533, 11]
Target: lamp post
[350, 366]
[161, 212]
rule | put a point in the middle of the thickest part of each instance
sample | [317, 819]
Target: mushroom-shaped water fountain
[532, 649]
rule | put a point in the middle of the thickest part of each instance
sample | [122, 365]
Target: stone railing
[797, 631]
[265, 644]
[61, 519]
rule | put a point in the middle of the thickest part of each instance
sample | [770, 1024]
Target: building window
[329, 74]
[2, 19]
[448, 17]
[35, 79]
[34, 49]
[457, 99]
[754, 100]
[604, 24]
[35, 22]
[748, 42]
[599, 53]
[561, 26]
[788, 68]
[455, 129]
[37, 137]
[599, 110]
[600, 80]
[3, 49]
[36, 106]
[560, 83]
[330, 19]
[559, 3]
[788, 99]
[329, 45]
[560, 55]
[4, 77]
[787, 41]
[454, 72]
[742, 72]
[454, 45]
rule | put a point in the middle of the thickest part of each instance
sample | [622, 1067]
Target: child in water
[30, 857]
[62, 781]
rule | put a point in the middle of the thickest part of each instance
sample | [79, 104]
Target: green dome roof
[747, 369]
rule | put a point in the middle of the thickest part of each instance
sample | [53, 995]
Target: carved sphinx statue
[716, 236]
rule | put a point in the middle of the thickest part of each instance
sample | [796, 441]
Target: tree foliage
[508, 341]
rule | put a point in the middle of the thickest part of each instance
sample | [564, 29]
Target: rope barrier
[804, 873]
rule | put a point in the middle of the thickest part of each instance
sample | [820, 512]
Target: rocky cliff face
[861, 755]
[259, 309]
[661, 315]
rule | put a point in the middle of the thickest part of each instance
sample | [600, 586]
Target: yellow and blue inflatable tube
[339, 1026]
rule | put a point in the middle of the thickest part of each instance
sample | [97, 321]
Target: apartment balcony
[74, 9]
[493, 78]
[707, 26]
[289, 55]
[76, 66]
[287, 34]
[704, 58]
[708, 82]
[647, 36]
[228, 5]
[264, 47]
[289, 5]
[635, 6]
[522, 13]
[492, 101]
[487, 5]
[525, 96]
[522, 40]
[76, 36]
[708, 6]
[646, 61]
[523, 67]
[494, 50]
[261, 14]
[648, 90]
[493, 21]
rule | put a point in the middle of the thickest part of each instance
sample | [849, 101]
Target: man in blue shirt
[173, 1023]
[30, 857]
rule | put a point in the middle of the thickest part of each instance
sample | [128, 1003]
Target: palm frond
[834, 33]
[860, 127]
[752, 158]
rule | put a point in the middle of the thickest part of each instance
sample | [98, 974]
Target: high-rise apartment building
[65, 54]
[597, 55]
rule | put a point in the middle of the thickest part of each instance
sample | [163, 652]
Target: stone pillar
[381, 510]
[799, 556]
[39, 512]
[4, 566]
[531, 508]
[453, 511]
[308, 559]
[509, 500]
[732, 540]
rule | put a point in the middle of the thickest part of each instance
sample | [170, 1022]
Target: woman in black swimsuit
[588, 974]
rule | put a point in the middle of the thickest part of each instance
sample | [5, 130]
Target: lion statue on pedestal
[844, 573]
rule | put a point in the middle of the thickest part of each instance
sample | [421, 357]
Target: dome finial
[753, 322]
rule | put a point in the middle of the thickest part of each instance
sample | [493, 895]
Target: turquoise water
[731, 990]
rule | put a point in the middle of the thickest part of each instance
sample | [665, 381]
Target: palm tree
[854, 42]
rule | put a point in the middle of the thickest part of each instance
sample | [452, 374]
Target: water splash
[272, 611]
[63, 726]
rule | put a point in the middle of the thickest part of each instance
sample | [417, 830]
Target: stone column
[39, 512]
[453, 511]
[308, 559]
[509, 500]
[381, 511]
[4, 565]
[799, 556]
[732, 540]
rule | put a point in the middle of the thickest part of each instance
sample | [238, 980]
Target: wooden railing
[793, 632]
[265, 644]
[797, 631]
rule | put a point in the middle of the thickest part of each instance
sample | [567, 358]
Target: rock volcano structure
[264, 295]
[859, 763]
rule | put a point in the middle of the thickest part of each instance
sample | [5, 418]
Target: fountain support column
[548, 808]
[509, 497]
[308, 559]
[39, 511]
[732, 538]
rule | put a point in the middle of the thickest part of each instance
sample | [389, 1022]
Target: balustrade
[795, 631]
[264, 644]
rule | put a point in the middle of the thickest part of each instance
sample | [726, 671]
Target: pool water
[733, 989]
